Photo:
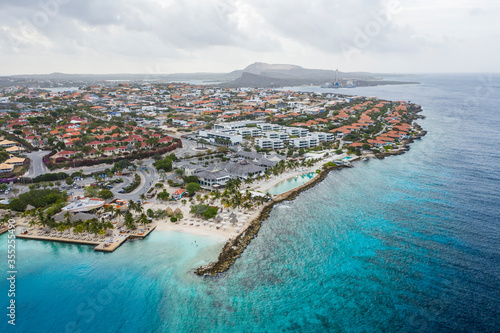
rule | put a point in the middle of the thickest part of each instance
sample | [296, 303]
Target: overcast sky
[173, 36]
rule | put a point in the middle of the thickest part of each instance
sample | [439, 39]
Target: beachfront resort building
[213, 177]
[84, 205]
[213, 135]
[266, 143]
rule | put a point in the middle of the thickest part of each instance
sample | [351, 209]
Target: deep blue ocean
[410, 243]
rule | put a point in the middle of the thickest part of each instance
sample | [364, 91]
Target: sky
[185, 36]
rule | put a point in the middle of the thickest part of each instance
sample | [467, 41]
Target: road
[188, 149]
[148, 179]
[37, 167]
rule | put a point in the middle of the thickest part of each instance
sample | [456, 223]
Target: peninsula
[105, 163]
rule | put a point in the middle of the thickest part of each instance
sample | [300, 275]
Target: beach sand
[194, 225]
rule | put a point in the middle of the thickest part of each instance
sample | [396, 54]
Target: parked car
[121, 191]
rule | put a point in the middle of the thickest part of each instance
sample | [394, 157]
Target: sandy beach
[197, 226]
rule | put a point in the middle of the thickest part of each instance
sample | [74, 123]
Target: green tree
[190, 179]
[205, 211]
[192, 188]
[18, 205]
[105, 194]
[90, 191]
[69, 180]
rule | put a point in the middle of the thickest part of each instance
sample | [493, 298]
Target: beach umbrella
[218, 218]
[232, 215]
[177, 211]
[233, 220]
[169, 211]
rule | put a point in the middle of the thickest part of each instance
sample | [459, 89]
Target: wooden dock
[113, 242]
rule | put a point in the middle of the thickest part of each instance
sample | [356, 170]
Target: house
[15, 149]
[177, 195]
[64, 153]
[4, 167]
[7, 143]
[16, 160]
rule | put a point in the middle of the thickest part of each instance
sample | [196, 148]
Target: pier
[103, 244]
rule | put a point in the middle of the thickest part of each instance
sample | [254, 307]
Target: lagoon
[291, 183]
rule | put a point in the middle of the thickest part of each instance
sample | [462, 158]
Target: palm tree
[143, 219]
[108, 225]
[132, 205]
[41, 218]
[67, 217]
[5, 220]
[217, 194]
[142, 196]
[78, 228]
[118, 213]
[139, 208]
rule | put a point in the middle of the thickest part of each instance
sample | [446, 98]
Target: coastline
[234, 247]
[169, 227]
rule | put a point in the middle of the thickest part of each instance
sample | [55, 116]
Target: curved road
[37, 167]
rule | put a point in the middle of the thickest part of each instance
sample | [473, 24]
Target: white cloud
[95, 36]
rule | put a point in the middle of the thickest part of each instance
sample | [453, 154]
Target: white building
[249, 131]
[212, 135]
[269, 127]
[266, 143]
[276, 135]
[295, 131]
[322, 136]
[236, 125]
[84, 205]
[307, 142]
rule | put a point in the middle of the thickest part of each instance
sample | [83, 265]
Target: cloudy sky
[172, 36]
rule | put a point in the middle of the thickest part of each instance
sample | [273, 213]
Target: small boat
[364, 159]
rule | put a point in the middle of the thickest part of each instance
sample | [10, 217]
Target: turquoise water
[291, 183]
[347, 158]
[405, 244]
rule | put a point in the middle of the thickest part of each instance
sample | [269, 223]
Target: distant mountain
[264, 75]
[258, 74]
[261, 81]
